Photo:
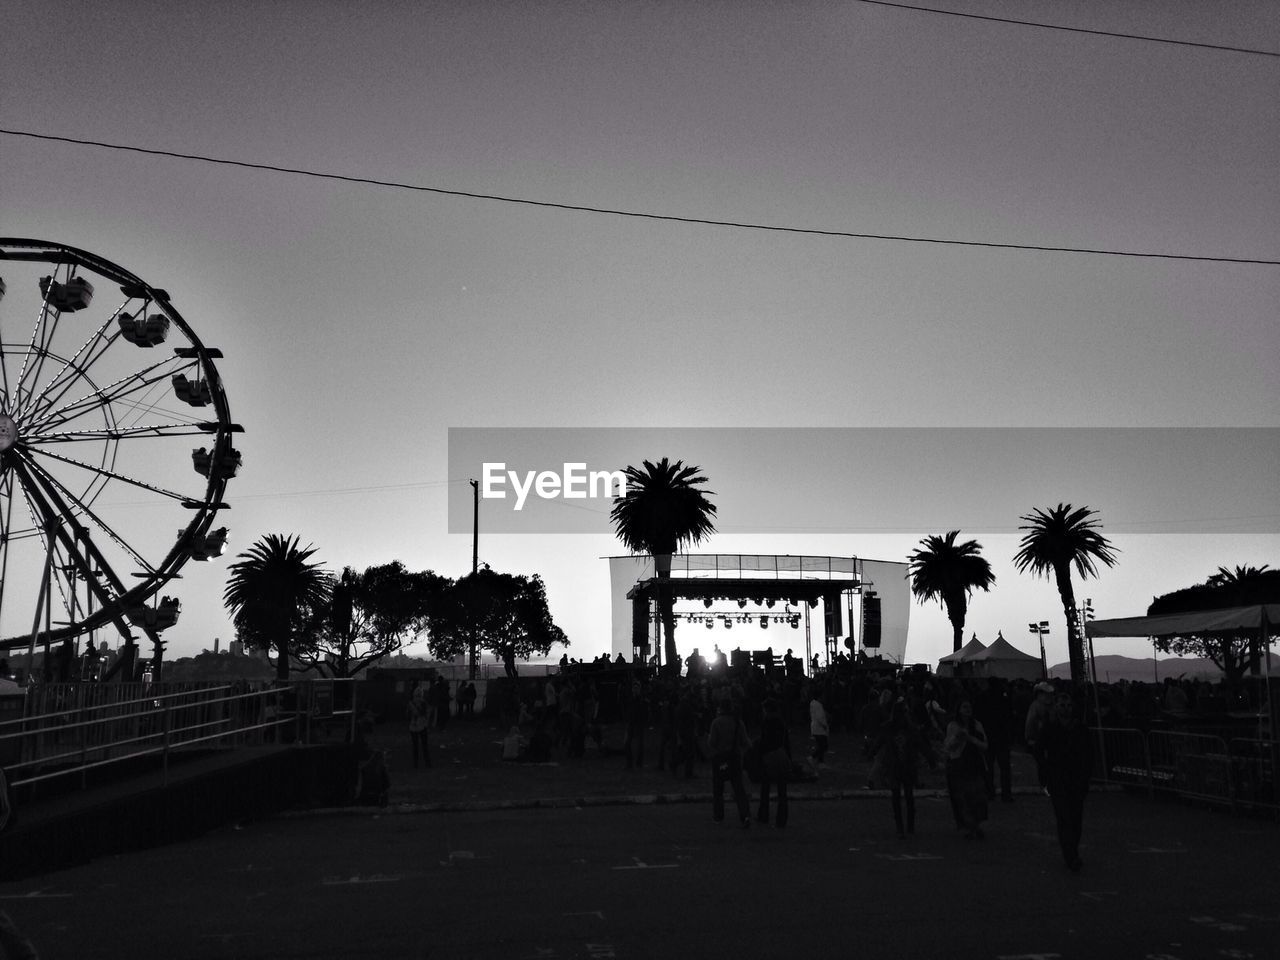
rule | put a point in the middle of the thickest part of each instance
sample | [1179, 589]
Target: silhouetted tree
[943, 570]
[1057, 539]
[371, 614]
[663, 510]
[272, 594]
[503, 613]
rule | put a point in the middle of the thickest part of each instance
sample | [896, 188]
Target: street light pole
[1040, 629]
[475, 566]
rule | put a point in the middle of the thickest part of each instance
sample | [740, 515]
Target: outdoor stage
[865, 603]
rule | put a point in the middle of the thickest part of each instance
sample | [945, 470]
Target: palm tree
[1056, 540]
[949, 572]
[273, 594]
[663, 510]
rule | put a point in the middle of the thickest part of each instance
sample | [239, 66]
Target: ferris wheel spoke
[143, 379]
[103, 472]
[42, 333]
[122, 433]
[91, 350]
[91, 564]
[4, 381]
[6, 492]
[68, 502]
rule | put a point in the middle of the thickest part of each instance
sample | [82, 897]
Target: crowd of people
[740, 724]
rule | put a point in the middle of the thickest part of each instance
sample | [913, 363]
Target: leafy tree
[663, 510]
[272, 594]
[504, 613]
[1232, 651]
[370, 615]
[949, 572]
[1056, 540]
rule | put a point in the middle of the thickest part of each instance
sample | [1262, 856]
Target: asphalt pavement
[1161, 881]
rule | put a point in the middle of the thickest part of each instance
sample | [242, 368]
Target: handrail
[124, 726]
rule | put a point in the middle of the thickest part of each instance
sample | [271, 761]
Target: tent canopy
[974, 646]
[1002, 649]
[1189, 624]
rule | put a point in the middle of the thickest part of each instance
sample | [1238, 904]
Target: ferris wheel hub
[8, 432]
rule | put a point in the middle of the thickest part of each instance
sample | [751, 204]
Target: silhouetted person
[1068, 762]
[899, 746]
[966, 748]
[418, 723]
[775, 744]
[726, 740]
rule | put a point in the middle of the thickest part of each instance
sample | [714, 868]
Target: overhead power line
[633, 214]
[1054, 26]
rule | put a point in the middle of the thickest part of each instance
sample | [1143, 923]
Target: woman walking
[900, 746]
[775, 755]
[726, 741]
[418, 722]
[1068, 764]
[966, 750]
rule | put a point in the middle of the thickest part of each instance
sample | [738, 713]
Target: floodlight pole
[1040, 629]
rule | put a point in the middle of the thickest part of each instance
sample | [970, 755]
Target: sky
[360, 324]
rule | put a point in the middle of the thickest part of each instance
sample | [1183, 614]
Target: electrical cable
[1054, 26]
[635, 214]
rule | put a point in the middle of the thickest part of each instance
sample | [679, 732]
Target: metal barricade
[1191, 764]
[1253, 769]
[1121, 756]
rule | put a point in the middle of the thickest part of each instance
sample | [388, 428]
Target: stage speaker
[640, 624]
[832, 614]
[870, 621]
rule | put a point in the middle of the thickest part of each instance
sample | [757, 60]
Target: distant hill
[1113, 667]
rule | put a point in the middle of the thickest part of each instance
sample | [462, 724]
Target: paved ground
[437, 875]
[1161, 881]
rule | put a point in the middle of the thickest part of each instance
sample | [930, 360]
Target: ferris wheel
[103, 498]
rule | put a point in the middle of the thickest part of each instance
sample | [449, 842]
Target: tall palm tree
[663, 510]
[273, 593]
[949, 572]
[1057, 539]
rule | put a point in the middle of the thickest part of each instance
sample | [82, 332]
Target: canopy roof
[974, 646]
[1189, 624]
[1001, 649]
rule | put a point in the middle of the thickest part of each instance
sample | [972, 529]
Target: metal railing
[99, 725]
[1236, 773]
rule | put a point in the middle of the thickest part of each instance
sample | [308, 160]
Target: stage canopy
[1194, 623]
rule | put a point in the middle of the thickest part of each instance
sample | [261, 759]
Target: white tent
[1003, 659]
[949, 666]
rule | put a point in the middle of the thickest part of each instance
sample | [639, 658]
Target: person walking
[995, 712]
[1037, 716]
[1068, 763]
[819, 729]
[686, 734]
[775, 755]
[901, 744]
[419, 720]
[637, 720]
[966, 747]
[726, 741]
